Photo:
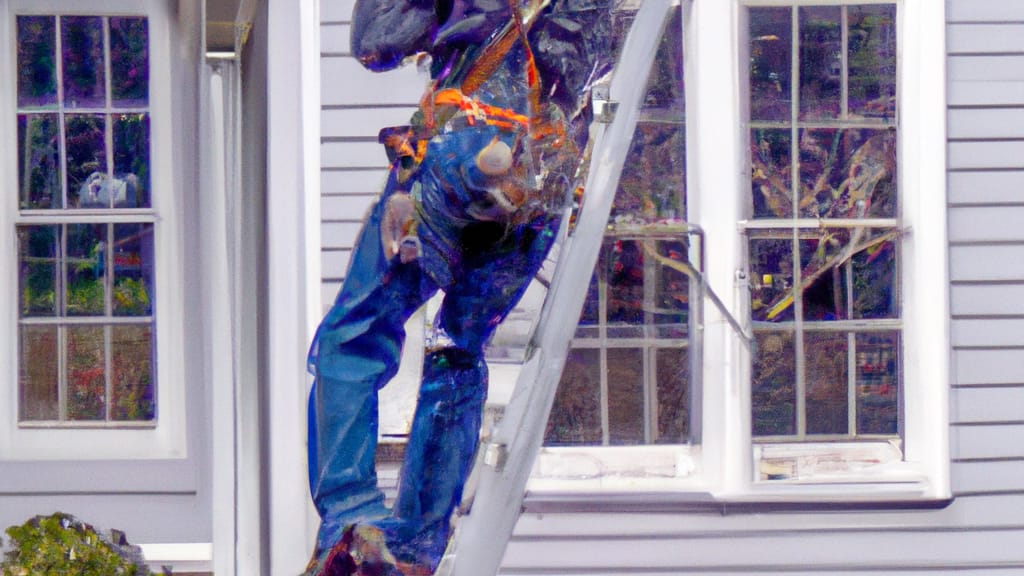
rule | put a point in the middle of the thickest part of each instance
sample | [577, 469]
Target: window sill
[847, 475]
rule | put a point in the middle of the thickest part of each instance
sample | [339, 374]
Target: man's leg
[446, 427]
[357, 351]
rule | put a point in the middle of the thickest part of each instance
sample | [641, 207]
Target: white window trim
[723, 466]
[167, 439]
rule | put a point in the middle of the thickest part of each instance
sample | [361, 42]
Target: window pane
[823, 274]
[82, 47]
[86, 373]
[37, 65]
[773, 388]
[39, 173]
[878, 382]
[771, 277]
[821, 62]
[847, 173]
[771, 48]
[875, 291]
[38, 384]
[872, 55]
[132, 373]
[652, 187]
[38, 256]
[576, 415]
[129, 62]
[625, 396]
[88, 184]
[772, 169]
[673, 365]
[133, 269]
[672, 288]
[625, 283]
[589, 317]
[131, 161]
[827, 379]
[86, 268]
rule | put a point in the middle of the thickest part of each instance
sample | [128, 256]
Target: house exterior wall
[153, 500]
[979, 533]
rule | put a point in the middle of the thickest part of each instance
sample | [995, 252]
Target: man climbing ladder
[477, 186]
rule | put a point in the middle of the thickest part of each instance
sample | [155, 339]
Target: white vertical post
[293, 270]
[715, 153]
[217, 310]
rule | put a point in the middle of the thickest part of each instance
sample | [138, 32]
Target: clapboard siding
[997, 511]
[334, 39]
[986, 155]
[772, 571]
[362, 180]
[978, 405]
[987, 441]
[357, 123]
[977, 123]
[988, 300]
[987, 223]
[334, 263]
[988, 368]
[980, 533]
[981, 187]
[984, 11]
[988, 333]
[346, 207]
[346, 82]
[985, 38]
[986, 263]
[987, 477]
[826, 551]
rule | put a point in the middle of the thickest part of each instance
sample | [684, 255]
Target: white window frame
[167, 439]
[718, 181]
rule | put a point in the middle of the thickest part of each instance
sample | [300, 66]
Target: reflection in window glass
[129, 62]
[82, 58]
[576, 417]
[132, 373]
[634, 332]
[773, 383]
[131, 161]
[37, 64]
[40, 394]
[39, 173]
[86, 324]
[824, 286]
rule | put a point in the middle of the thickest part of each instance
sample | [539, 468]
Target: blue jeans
[483, 268]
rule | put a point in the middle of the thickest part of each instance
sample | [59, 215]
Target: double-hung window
[89, 211]
[769, 311]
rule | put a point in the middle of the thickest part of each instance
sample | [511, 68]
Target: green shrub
[60, 545]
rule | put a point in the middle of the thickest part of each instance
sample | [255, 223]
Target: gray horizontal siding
[153, 518]
[999, 11]
[983, 187]
[992, 367]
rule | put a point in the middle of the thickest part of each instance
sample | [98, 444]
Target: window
[85, 232]
[814, 219]
[824, 229]
[87, 198]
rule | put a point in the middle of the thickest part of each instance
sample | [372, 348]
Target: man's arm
[385, 32]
